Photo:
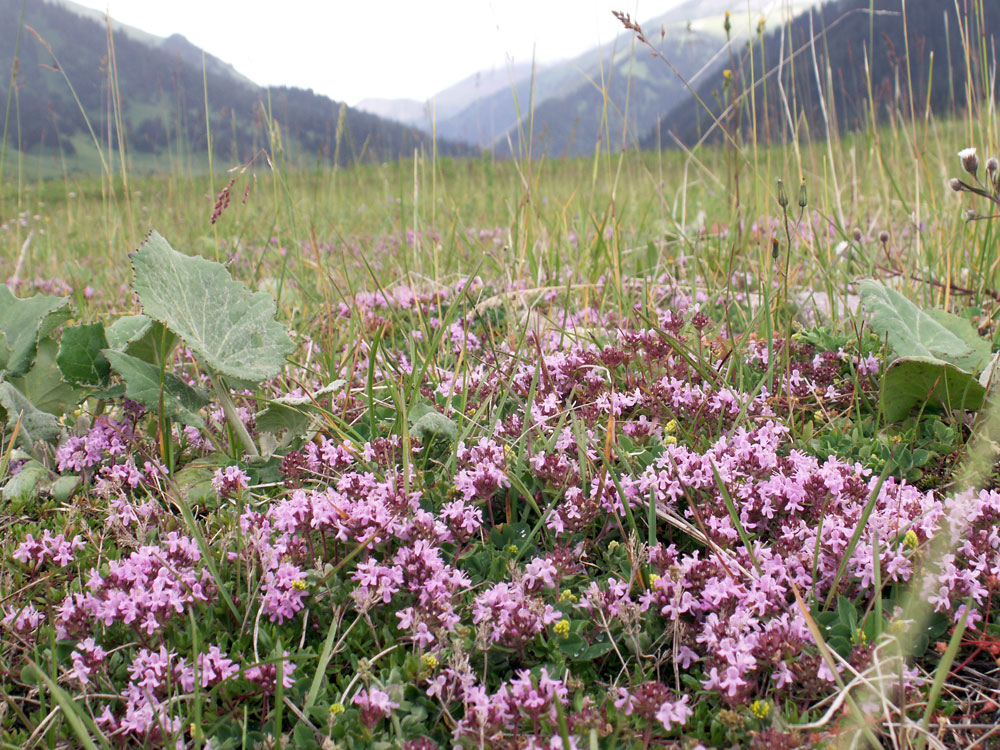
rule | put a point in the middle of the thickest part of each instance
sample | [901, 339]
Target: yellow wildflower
[760, 709]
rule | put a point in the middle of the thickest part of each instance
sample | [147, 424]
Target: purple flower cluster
[528, 699]
[24, 621]
[265, 675]
[510, 615]
[143, 591]
[481, 470]
[375, 705]
[654, 701]
[230, 481]
[56, 548]
[108, 450]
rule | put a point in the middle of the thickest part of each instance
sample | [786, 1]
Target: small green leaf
[24, 321]
[195, 485]
[596, 650]
[434, 425]
[572, 645]
[80, 358]
[911, 382]
[847, 614]
[230, 330]
[142, 384]
[292, 414]
[63, 487]
[913, 332]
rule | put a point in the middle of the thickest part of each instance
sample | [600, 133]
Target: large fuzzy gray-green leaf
[912, 382]
[142, 337]
[913, 332]
[142, 384]
[155, 345]
[26, 484]
[126, 329]
[428, 424]
[5, 351]
[80, 358]
[44, 385]
[230, 330]
[36, 425]
[23, 321]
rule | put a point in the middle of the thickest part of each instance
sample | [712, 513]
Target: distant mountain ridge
[840, 34]
[162, 91]
[451, 100]
[569, 113]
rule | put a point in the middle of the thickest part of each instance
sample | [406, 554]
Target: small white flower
[970, 162]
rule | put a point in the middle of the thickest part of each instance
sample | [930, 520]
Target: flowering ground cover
[524, 464]
[432, 526]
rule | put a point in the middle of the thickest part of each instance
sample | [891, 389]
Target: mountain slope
[162, 93]
[617, 92]
[451, 100]
[839, 34]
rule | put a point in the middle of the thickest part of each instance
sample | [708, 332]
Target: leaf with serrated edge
[24, 321]
[80, 358]
[126, 329]
[142, 384]
[44, 385]
[912, 332]
[35, 424]
[910, 382]
[230, 330]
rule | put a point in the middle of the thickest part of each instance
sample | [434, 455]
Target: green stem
[229, 409]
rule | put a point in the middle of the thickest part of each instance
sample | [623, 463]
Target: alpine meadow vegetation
[690, 448]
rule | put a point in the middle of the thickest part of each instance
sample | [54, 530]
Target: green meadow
[683, 449]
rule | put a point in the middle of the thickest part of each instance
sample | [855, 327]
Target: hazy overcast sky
[350, 50]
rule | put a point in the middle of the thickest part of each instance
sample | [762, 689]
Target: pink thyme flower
[375, 705]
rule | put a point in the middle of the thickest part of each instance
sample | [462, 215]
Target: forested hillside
[161, 91]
